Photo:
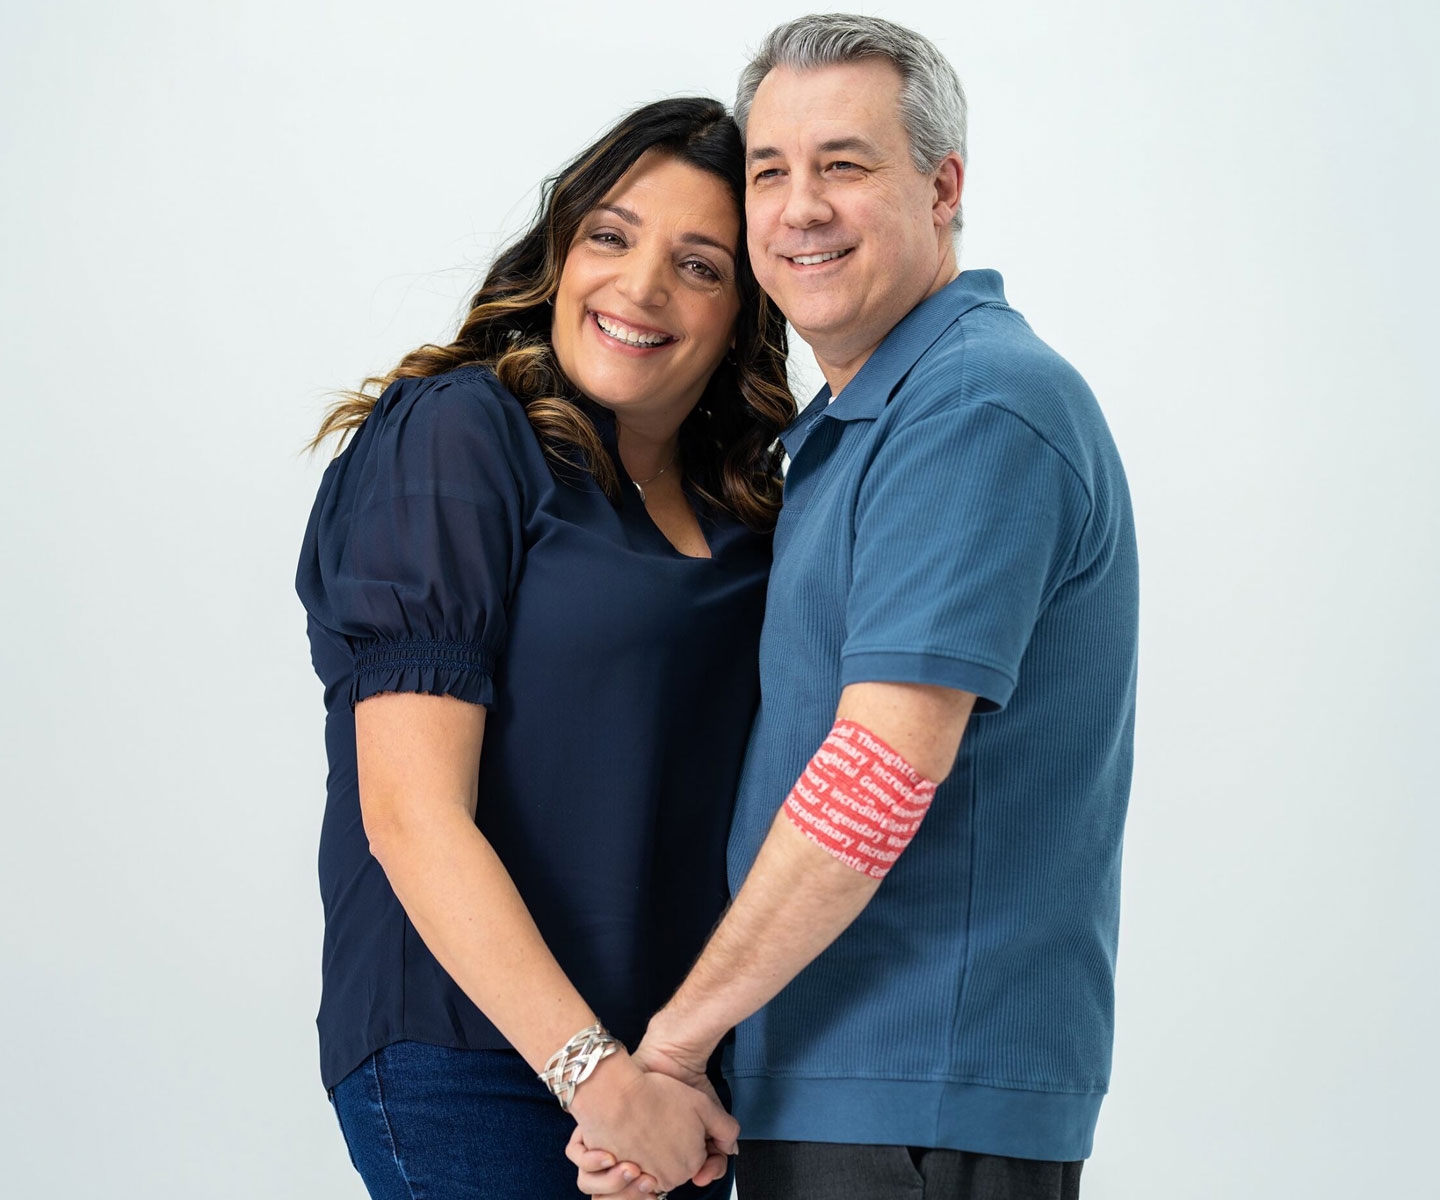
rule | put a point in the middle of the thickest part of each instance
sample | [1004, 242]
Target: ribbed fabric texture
[957, 516]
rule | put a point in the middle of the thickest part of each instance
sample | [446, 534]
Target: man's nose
[805, 204]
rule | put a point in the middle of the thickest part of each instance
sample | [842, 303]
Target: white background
[1221, 212]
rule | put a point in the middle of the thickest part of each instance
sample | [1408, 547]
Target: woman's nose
[642, 279]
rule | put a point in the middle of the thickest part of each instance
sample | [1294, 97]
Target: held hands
[607, 1167]
[634, 1110]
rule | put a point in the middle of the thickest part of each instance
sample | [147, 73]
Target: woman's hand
[628, 1116]
[598, 1174]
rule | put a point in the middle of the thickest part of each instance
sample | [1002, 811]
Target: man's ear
[949, 179]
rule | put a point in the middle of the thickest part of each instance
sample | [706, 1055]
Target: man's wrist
[682, 1038]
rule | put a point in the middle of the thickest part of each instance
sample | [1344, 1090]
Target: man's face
[844, 233]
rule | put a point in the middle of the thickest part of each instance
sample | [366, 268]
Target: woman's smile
[648, 300]
[628, 335]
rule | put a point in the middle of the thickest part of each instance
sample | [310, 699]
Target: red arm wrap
[859, 800]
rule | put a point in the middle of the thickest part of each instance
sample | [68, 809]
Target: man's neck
[840, 362]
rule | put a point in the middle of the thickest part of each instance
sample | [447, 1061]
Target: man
[952, 623]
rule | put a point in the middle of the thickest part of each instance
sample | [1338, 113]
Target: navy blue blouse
[444, 556]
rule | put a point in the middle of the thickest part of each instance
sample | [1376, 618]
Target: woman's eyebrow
[701, 239]
[625, 214]
[692, 238]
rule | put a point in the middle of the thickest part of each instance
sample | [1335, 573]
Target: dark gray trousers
[821, 1171]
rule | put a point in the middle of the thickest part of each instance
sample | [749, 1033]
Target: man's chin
[820, 325]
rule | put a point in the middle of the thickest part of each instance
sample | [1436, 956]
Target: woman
[550, 538]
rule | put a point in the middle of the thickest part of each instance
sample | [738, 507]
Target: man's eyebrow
[689, 238]
[838, 145]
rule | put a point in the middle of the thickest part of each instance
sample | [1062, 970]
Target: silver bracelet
[572, 1064]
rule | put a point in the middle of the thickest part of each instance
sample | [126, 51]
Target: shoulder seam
[1060, 454]
[1011, 413]
[1080, 534]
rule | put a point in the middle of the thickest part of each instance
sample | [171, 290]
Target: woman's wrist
[604, 1092]
[573, 1063]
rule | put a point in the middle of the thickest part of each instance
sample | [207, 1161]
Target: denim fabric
[824, 1171]
[432, 1123]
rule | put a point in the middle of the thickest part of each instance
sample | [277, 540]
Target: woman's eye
[606, 237]
[701, 269]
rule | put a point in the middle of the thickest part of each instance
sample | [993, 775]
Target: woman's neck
[646, 452]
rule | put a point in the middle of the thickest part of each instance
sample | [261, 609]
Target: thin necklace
[652, 479]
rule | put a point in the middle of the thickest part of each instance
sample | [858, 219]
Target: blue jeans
[431, 1123]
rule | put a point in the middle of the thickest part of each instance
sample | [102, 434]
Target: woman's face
[648, 300]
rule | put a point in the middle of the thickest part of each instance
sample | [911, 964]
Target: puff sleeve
[415, 542]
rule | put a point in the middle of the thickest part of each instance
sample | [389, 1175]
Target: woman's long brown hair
[727, 444]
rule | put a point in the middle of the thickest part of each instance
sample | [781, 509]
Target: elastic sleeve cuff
[992, 687]
[464, 670]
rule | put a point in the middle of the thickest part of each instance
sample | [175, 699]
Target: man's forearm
[796, 900]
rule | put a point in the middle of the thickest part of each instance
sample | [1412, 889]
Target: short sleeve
[965, 523]
[415, 542]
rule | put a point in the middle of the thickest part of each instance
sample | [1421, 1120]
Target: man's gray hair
[932, 102]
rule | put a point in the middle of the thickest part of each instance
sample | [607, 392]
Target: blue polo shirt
[444, 556]
[958, 515]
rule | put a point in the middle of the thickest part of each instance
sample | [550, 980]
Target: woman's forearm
[417, 759]
[462, 902]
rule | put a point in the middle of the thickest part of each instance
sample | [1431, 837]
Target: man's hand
[600, 1173]
[668, 1054]
[666, 1050]
[677, 1131]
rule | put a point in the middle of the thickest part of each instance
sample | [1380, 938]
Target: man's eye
[768, 173]
[844, 166]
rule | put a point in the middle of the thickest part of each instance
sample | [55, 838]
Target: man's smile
[817, 258]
